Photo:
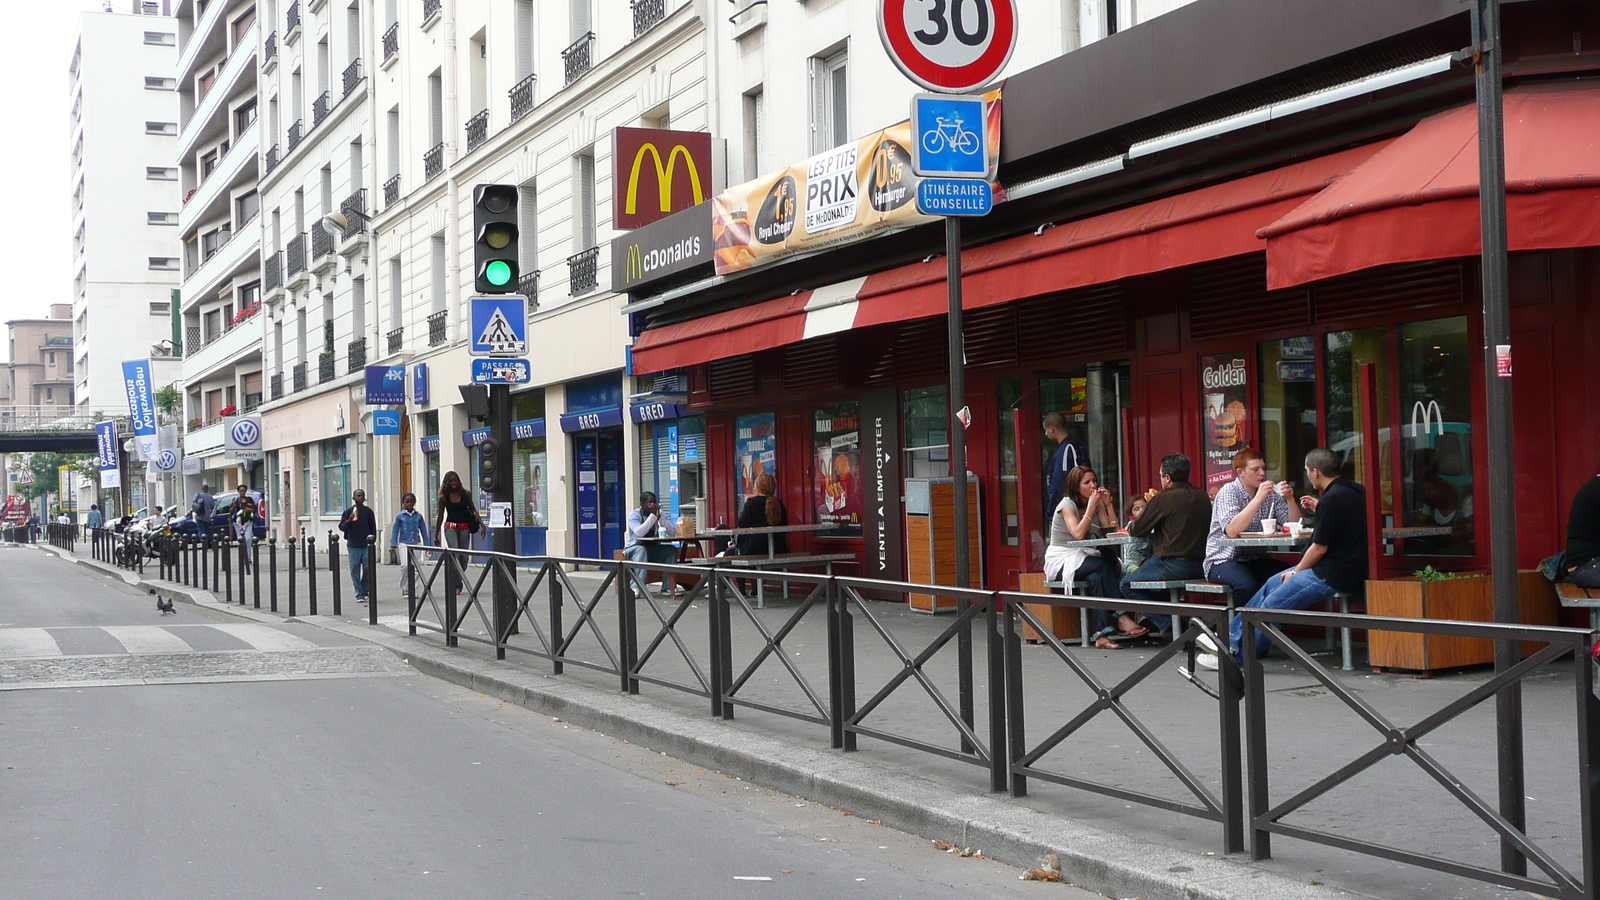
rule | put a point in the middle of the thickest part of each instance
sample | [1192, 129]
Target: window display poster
[1225, 398]
[755, 450]
[535, 490]
[836, 443]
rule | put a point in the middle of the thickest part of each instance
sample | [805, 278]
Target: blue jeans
[1586, 575]
[1158, 569]
[359, 570]
[1301, 590]
[1245, 576]
[660, 554]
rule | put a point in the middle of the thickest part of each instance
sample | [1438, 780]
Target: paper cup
[1269, 526]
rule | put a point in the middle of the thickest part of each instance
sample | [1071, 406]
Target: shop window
[1091, 399]
[1345, 353]
[305, 480]
[670, 464]
[1287, 370]
[335, 476]
[1008, 395]
[926, 414]
[836, 465]
[1436, 435]
[755, 451]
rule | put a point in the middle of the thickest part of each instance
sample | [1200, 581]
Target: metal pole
[1486, 52]
[372, 580]
[272, 570]
[958, 463]
[502, 540]
[310, 544]
[333, 570]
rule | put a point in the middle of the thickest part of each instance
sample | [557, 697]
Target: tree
[46, 470]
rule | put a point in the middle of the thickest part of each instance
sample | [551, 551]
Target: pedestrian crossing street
[45, 643]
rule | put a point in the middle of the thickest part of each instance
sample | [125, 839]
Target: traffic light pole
[504, 540]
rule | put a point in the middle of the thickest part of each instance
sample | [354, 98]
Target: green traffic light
[497, 272]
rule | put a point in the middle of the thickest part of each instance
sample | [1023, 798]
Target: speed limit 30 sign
[949, 45]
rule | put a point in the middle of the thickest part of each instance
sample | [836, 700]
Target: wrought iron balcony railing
[477, 130]
[324, 368]
[272, 272]
[578, 58]
[291, 17]
[391, 41]
[358, 356]
[295, 255]
[436, 324]
[433, 162]
[522, 97]
[583, 271]
[319, 109]
[352, 76]
[321, 243]
[396, 339]
[391, 192]
[430, 8]
[271, 49]
[299, 377]
[273, 157]
[276, 383]
[528, 286]
[193, 339]
[647, 13]
[294, 135]
[354, 208]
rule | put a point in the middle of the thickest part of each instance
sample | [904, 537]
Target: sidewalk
[1106, 844]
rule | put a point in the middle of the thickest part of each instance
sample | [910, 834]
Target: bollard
[372, 580]
[183, 558]
[205, 565]
[224, 567]
[333, 569]
[309, 548]
[244, 564]
[255, 569]
[292, 543]
[218, 551]
[272, 564]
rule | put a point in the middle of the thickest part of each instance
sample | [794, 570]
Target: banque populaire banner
[856, 190]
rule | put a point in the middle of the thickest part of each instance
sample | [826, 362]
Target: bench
[1174, 589]
[761, 561]
[1341, 599]
[1576, 596]
[1049, 613]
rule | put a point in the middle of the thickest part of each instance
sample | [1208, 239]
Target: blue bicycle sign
[949, 136]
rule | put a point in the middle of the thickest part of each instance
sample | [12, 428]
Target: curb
[1106, 862]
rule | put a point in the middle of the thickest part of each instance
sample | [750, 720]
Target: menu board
[836, 447]
[1225, 408]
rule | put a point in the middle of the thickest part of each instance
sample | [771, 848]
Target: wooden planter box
[1465, 599]
[1063, 621]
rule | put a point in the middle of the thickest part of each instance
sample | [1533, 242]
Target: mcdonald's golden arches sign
[658, 173]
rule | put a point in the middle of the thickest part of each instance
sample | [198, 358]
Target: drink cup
[1269, 526]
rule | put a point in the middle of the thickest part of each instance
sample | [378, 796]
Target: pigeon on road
[165, 606]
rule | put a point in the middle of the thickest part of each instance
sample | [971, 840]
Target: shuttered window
[585, 214]
[580, 19]
[394, 142]
[528, 228]
[524, 39]
[438, 272]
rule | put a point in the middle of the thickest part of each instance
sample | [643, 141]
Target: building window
[244, 116]
[247, 207]
[755, 131]
[163, 264]
[153, 83]
[160, 39]
[397, 302]
[335, 477]
[830, 118]
[160, 173]
[438, 272]
[161, 308]
[528, 228]
[162, 218]
[168, 128]
[584, 233]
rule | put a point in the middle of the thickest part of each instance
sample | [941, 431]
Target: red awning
[1202, 225]
[1417, 199]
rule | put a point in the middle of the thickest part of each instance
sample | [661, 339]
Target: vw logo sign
[246, 433]
[167, 461]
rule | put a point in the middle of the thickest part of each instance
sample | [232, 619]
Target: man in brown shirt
[1177, 521]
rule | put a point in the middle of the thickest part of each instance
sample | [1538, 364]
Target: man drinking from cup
[1247, 504]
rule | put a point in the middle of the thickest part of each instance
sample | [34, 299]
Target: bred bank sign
[658, 173]
[661, 249]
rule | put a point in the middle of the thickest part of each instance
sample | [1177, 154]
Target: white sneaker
[1208, 645]
[1207, 661]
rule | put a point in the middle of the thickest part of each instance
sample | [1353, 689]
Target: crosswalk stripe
[147, 639]
[26, 643]
[265, 637]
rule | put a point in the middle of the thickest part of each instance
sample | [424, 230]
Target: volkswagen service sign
[386, 385]
[242, 437]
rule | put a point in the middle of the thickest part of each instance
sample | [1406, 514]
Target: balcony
[321, 244]
[276, 384]
[270, 51]
[291, 19]
[522, 97]
[299, 377]
[210, 200]
[238, 341]
[272, 272]
[436, 328]
[391, 192]
[583, 271]
[273, 158]
[327, 337]
[319, 109]
[354, 208]
[477, 130]
[430, 8]
[352, 76]
[433, 162]
[294, 135]
[578, 58]
[296, 255]
[646, 13]
[241, 254]
[201, 436]
[358, 356]
[528, 286]
[252, 402]
[391, 42]
[396, 340]
[324, 368]
[210, 114]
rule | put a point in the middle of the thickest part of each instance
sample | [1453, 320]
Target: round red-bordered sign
[949, 45]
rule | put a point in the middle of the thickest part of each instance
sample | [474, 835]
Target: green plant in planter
[167, 398]
[1429, 573]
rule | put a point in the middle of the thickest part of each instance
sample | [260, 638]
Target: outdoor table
[1277, 543]
[772, 550]
[1110, 540]
[1400, 534]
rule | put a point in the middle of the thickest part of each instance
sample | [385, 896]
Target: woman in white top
[1086, 511]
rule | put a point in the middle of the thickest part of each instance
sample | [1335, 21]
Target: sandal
[1138, 631]
[1106, 643]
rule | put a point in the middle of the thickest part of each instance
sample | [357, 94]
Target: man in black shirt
[1336, 560]
[359, 525]
[1582, 559]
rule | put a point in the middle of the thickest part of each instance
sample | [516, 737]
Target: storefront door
[586, 450]
[613, 497]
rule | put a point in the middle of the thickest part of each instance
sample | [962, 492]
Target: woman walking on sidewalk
[456, 523]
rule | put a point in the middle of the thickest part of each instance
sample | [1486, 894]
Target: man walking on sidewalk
[410, 529]
[359, 526]
[203, 506]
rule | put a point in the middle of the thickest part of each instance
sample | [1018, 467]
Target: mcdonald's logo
[638, 200]
[635, 264]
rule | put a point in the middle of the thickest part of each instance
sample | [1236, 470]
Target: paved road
[186, 756]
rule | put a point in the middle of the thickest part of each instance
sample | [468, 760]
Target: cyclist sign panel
[949, 45]
[948, 136]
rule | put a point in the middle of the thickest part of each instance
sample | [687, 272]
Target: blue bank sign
[386, 385]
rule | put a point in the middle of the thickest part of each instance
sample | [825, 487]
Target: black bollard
[203, 557]
[255, 569]
[272, 570]
[218, 551]
[372, 580]
[292, 543]
[310, 549]
[225, 565]
[333, 569]
[244, 564]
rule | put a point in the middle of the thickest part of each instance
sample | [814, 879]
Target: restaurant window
[1436, 435]
[836, 466]
[678, 485]
[430, 502]
[926, 414]
[335, 476]
[1288, 424]
[1091, 399]
[1008, 395]
[1345, 353]
[530, 476]
[755, 451]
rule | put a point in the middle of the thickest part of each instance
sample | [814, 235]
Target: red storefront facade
[1228, 312]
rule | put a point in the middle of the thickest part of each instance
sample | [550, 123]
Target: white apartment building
[217, 159]
[125, 201]
[318, 326]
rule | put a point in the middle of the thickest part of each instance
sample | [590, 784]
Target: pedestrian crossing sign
[499, 325]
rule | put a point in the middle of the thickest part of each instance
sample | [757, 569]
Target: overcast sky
[35, 235]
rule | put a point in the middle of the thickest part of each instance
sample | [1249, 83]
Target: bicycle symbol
[949, 133]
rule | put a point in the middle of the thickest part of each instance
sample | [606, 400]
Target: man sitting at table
[1581, 562]
[644, 523]
[1176, 521]
[1239, 508]
[1335, 561]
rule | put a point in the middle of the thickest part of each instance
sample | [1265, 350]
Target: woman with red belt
[455, 524]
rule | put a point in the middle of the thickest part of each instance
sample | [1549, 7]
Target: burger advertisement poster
[837, 486]
[1225, 406]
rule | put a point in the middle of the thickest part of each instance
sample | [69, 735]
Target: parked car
[222, 518]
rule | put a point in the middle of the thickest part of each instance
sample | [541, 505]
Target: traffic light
[494, 249]
[489, 473]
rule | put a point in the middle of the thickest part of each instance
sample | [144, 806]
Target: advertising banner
[854, 191]
[1225, 400]
[755, 449]
[836, 484]
[136, 379]
[105, 440]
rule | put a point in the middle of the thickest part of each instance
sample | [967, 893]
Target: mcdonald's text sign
[658, 173]
[662, 249]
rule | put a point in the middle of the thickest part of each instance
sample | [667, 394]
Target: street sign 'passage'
[949, 45]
